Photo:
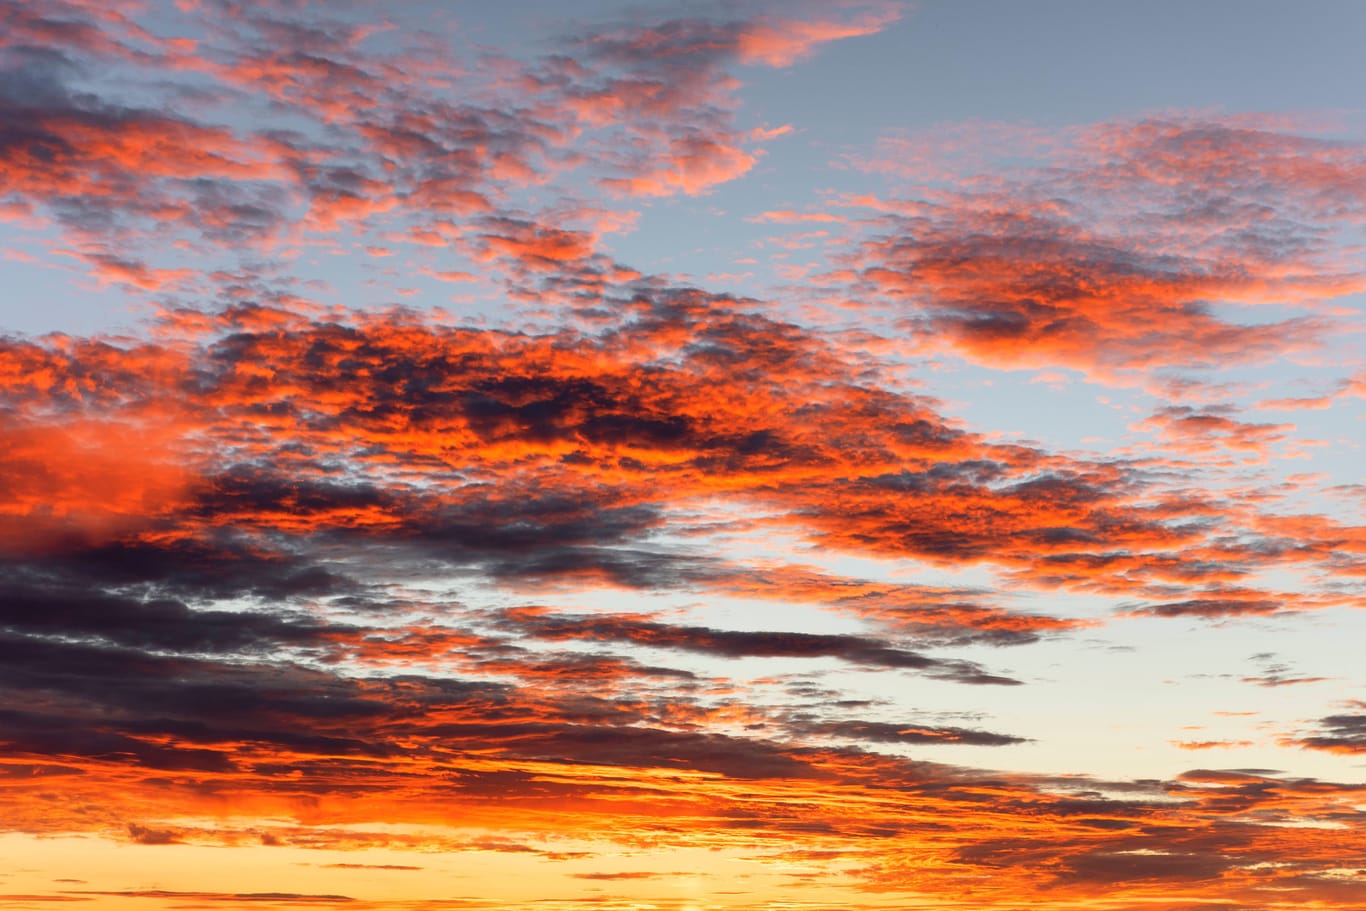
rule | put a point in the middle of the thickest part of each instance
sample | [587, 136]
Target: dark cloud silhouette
[1345, 733]
[601, 627]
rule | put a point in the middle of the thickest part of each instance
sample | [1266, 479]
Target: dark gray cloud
[600, 627]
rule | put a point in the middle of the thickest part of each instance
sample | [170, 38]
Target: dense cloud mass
[603, 570]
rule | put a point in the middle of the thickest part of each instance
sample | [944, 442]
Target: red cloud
[87, 481]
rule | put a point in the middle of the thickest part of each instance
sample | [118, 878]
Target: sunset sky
[459, 456]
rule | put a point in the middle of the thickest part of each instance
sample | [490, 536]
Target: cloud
[593, 437]
[1210, 744]
[1202, 432]
[884, 732]
[230, 898]
[1276, 673]
[691, 165]
[535, 246]
[266, 617]
[1127, 253]
[669, 87]
[602, 627]
[276, 571]
[1221, 603]
[145, 836]
[1344, 733]
[930, 614]
[1353, 386]
[778, 42]
[87, 480]
[110, 170]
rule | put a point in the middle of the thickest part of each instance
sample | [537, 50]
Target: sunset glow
[682, 457]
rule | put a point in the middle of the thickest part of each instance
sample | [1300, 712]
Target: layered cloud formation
[631, 588]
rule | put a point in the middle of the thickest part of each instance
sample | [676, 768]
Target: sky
[682, 456]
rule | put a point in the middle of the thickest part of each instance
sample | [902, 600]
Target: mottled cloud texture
[614, 565]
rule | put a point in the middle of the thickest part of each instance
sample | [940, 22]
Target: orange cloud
[279, 575]
[87, 481]
[1113, 263]
[692, 165]
[780, 43]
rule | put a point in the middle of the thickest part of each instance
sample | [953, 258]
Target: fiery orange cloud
[1046, 269]
[1203, 835]
[588, 437]
[534, 245]
[621, 592]
[87, 481]
[1205, 431]
[545, 414]
[927, 611]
